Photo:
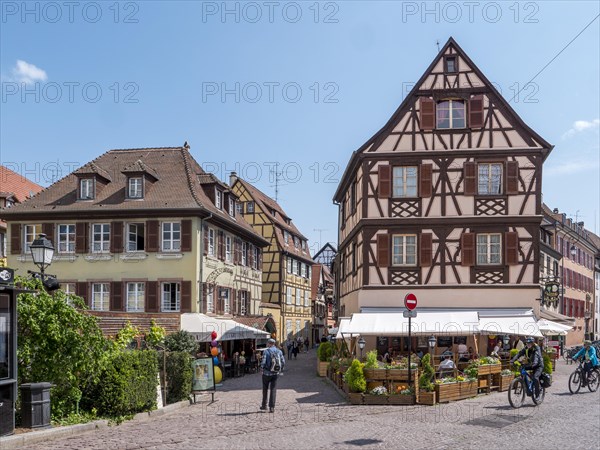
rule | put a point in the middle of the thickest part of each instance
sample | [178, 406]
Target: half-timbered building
[444, 201]
[287, 264]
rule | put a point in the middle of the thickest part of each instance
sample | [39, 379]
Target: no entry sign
[410, 301]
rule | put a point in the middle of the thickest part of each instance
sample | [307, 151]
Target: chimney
[580, 224]
[186, 145]
[555, 210]
[232, 178]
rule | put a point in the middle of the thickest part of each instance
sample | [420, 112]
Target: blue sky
[303, 84]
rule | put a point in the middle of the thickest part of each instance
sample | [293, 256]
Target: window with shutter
[186, 296]
[512, 177]
[153, 236]
[152, 296]
[116, 239]
[186, 235]
[427, 113]
[467, 245]
[476, 111]
[15, 239]
[512, 247]
[425, 180]
[383, 250]
[116, 296]
[470, 178]
[385, 181]
[81, 237]
[426, 249]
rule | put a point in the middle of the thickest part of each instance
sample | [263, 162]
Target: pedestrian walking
[272, 365]
[289, 345]
[295, 349]
[306, 344]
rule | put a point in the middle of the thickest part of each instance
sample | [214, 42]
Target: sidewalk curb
[35, 437]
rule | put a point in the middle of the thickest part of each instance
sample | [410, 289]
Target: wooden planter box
[488, 369]
[369, 399]
[426, 398]
[483, 382]
[504, 382]
[455, 391]
[401, 399]
[322, 368]
[401, 374]
[375, 374]
[345, 387]
[468, 389]
[355, 398]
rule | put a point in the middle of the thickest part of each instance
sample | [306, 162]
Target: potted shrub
[357, 384]
[371, 365]
[505, 378]
[376, 396]
[488, 365]
[426, 387]
[324, 352]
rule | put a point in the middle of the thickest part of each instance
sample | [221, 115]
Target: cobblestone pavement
[311, 414]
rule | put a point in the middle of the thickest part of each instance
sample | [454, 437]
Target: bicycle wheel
[516, 393]
[575, 382]
[593, 380]
[566, 355]
[538, 400]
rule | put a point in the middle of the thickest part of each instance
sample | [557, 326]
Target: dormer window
[249, 207]
[286, 236]
[296, 242]
[135, 187]
[231, 207]
[450, 64]
[451, 114]
[218, 198]
[87, 189]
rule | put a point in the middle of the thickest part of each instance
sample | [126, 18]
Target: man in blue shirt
[589, 355]
[272, 365]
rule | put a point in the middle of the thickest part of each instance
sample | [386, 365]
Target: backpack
[545, 380]
[276, 362]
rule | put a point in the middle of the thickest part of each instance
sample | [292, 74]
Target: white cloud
[23, 72]
[582, 125]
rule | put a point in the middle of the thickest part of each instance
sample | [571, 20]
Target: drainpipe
[200, 282]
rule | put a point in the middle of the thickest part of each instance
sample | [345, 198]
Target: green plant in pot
[355, 377]
[472, 371]
[324, 351]
[425, 380]
[371, 361]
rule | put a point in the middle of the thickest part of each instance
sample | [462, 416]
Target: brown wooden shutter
[476, 112]
[426, 249]
[425, 180]
[81, 237]
[511, 240]
[234, 302]
[205, 237]
[512, 177]
[15, 239]
[152, 297]
[383, 250]
[236, 251]
[221, 245]
[384, 189]
[186, 296]
[48, 230]
[467, 245]
[116, 296]
[427, 112]
[218, 300]
[470, 176]
[116, 237]
[152, 235]
[186, 235]
[81, 289]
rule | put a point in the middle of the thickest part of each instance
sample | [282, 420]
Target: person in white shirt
[497, 349]
[463, 353]
[447, 367]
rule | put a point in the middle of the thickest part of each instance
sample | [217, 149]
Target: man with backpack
[272, 365]
[536, 362]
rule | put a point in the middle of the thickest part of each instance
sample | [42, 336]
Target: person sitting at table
[388, 356]
[463, 353]
[472, 353]
[446, 367]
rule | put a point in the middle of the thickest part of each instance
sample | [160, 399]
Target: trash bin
[7, 417]
[35, 401]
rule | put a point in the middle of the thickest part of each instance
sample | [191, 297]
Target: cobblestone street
[311, 414]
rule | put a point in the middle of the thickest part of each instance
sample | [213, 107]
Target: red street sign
[410, 301]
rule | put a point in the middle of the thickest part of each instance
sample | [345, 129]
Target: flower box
[487, 369]
[449, 392]
[504, 382]
[468, 389]
[356, 398]
[401, 374]
[401, 399]
[374, 374]
[370, 399]
[426, 398]
[322, 368]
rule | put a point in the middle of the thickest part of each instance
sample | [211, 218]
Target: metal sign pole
[409, 349]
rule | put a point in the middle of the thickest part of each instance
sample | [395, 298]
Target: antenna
[320, 230]
[277, 174]
[437, 42]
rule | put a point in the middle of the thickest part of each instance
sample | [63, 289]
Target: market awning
[344, 323]
[549, 328]
[456, 323]
[522, 324]
[557, 317]
[201, 327]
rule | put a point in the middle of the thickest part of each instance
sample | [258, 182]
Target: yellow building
[287, 262]
[144, 234]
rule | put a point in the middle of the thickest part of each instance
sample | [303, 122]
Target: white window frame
[210, 299]
[136, 296]
[211, 242]
[401, 250]
[491, 252]
[166, 304]
[286, 237]
[249, 207]
[294, 267]
[218, 198]
[231, 207]
[228, 251]
[104, 242]
[296, 242]
[30, 234]
[170, 243]
[239, 208]
[66, 238]
[69, 288]
[137, 226]
[244, 253]
[306, 299]
[135, 187]
[289, 265]
[243, 299]
[298, 297]
[487, 182]
[256, 258]
[288, 328]
[298, 324]
[303, 270]
[288, 298]
[100, 297]
[226, 300]
[87, 189]
[451, 118]
[405, 184]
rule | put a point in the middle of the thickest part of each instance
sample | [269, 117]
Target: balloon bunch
[214, 351]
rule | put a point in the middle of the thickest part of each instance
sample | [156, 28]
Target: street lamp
[505, 340]
[42, 252]
[431, 341]
[361, 345]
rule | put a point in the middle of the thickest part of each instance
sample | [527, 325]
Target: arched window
[451, 114]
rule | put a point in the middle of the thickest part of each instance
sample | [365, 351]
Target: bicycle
[576, 381]
[569, 352]
[523, 385]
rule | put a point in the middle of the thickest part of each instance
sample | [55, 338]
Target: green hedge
[325, 351]
[179, 376]
[127, 385]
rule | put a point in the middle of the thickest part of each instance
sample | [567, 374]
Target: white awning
[456, 323]
[201, 327]
[557, 317]
[549, 328]
[344, 323]
[523, 325]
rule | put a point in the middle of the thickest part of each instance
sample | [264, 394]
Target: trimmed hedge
[179, 376]
[127, 385]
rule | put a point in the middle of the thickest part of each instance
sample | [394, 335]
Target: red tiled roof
[13, 183]
[315, 279]
[259, 322]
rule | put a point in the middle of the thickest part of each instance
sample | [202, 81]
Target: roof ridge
[142, 148]
[188, 173]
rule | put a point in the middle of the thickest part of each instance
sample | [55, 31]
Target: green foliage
[371, 361]
[127, 384]
[472, 371]
[513, 352]
[179, 376]
[355, 377]
[156, 335]
[425, 380]
[58, 343]
[125, 335]
[325, 351]
[547, 364]
[181, 341]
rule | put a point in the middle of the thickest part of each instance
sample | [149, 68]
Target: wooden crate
[455, 391]
[488, 369]
[483, 382]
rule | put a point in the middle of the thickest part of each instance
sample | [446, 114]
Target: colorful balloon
[214, 343]
[215, 360]
[218, 375]
[214, 351]
[213, 335]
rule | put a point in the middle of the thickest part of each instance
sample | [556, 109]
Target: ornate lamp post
[431, 342]
[42, 252]
[361, 345]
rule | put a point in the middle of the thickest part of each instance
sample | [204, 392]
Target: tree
[59, 343]
[181, 341]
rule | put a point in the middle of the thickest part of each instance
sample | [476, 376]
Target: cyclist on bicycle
[536, 363]
[588, 352]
